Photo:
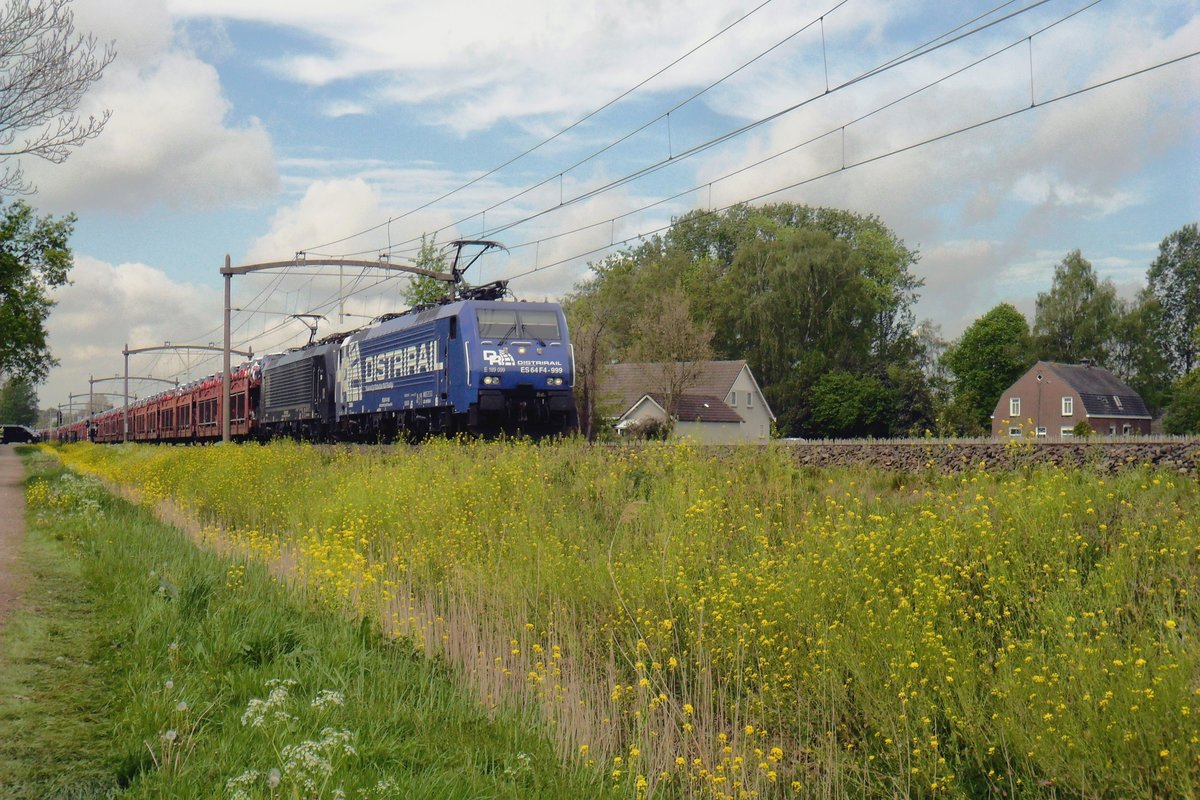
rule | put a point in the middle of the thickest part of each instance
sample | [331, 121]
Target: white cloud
[110, 306]
[169, 140]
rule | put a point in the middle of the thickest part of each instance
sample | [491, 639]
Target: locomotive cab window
[505, 324]
[497, 323]
[539, 325]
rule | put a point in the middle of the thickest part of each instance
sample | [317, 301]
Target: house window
[1126, 429]
[1014, 432]
[749, 399]
[1112, 430]
[1117, 400]
[733, 398]
[1066, 432]
[1068, 406]
[1014, 406]
[1041, 431]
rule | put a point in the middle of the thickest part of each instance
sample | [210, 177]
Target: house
[1051, 399]
[723, 404]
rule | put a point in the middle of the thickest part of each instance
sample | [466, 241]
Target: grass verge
[141, 666]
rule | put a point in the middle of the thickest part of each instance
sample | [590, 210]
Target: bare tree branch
[45, 69]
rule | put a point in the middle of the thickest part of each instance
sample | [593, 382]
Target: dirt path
[12, 527]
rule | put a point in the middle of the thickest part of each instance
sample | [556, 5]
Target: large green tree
[18, 402]
[34, 259]
[1183, 416]
[1174, 280]
[991, 354]
[1137, 352]
[1076, 319]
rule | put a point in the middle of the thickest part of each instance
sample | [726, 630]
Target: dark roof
[626, 384]
[1102, 393]
[691, 407]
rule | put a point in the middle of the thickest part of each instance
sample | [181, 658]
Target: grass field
[144, 667]
[689, 624]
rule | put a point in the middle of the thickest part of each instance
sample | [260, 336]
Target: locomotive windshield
[506, 323]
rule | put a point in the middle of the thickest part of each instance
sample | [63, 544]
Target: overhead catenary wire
[835, 129]
[556, 135]
[925, 48]
[880, 157]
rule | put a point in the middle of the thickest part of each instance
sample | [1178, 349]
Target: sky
[993, 137]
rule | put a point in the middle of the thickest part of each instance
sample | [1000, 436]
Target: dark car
[16, 434]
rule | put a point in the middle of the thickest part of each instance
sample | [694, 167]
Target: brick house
[724, 405]
[1051, 399]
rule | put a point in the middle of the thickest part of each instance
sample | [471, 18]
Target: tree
[1174, 280]
[795, 307]
[991, 354]
[846, 405]
[1076, 318]
[1137, 351]
[668, 337]
[1183, 416]
[18, 402]
[45, 70]
[34, 259]
[421, 289]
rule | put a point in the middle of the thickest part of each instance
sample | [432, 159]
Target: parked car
[16, 434]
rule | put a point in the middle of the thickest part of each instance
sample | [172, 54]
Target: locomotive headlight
[520, 351]
[491, 380]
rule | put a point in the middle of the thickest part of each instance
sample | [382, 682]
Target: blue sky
[263, 128]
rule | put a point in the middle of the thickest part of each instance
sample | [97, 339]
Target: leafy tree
[422, 289]
[1174, 280]
[1183, 416]
[1076, 318]
[667, 336]
[991, 354]
[846, 405]
[795, 307]
[45, 69]
[1137, 351]
[34, 259]
[18, 402]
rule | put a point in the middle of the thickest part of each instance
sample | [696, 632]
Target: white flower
[169, 685]
[326, 698]
[182, 706]
[273, 778]
[170, 735]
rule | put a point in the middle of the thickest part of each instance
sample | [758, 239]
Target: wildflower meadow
[726, 624]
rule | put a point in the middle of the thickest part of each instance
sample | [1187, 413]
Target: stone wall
[1181, 455]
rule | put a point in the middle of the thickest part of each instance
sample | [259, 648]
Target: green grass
[135, 666]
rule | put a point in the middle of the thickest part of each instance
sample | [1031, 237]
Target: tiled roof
[1102, 393]
[700, 408]
[625, 384]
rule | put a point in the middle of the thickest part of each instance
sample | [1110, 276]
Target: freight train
[477, 364]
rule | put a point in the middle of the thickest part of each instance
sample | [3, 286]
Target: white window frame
[1014, 407]
[1041, 432]
[1067, 432]
[1126, 429]
[733, 399]
[1014, 432]
[1068, 406]
[749, 399]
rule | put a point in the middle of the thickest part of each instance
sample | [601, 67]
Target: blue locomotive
[476, 364]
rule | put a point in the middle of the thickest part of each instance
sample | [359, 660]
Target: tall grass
[205, 678]
[731, 625]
